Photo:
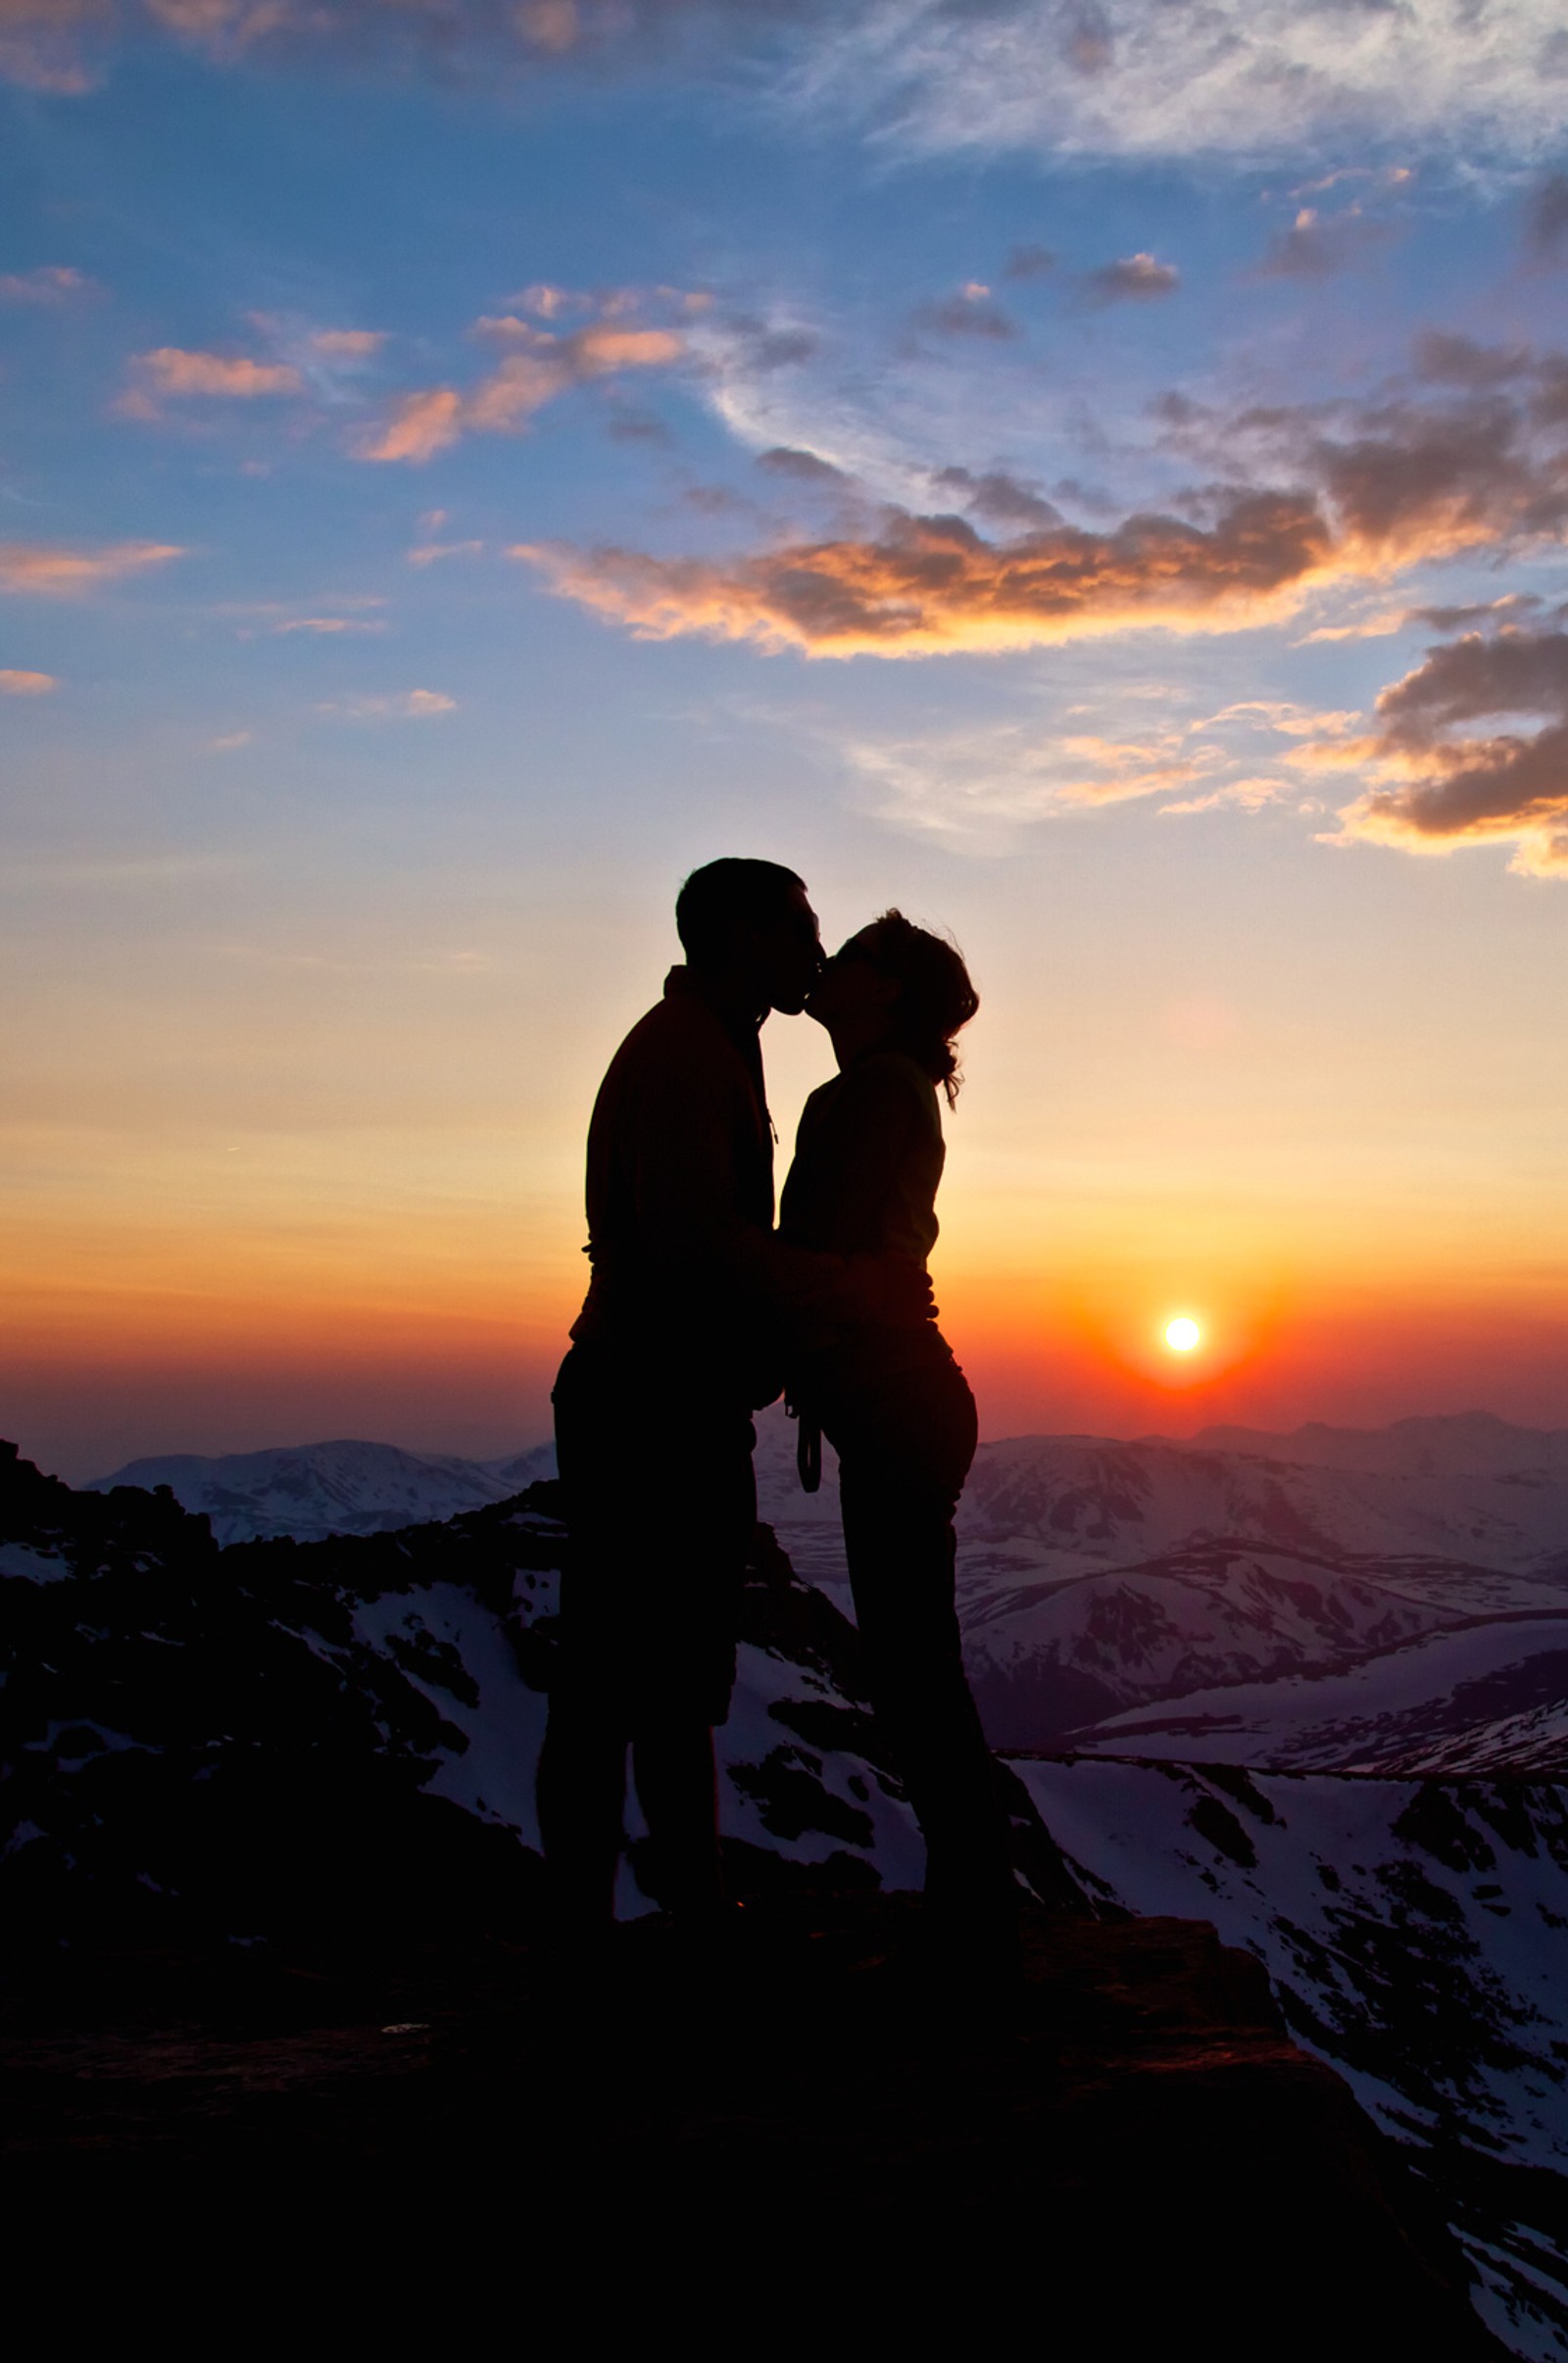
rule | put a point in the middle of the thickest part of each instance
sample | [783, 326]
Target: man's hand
[887, 1290]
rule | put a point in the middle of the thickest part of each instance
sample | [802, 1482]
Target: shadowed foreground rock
[1133, 2138]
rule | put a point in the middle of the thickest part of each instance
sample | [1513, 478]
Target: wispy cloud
[399, 706]
[329, 625]
[976, 789]
[1240, 79]
[346, 344]
[431, 554]
[49, 283]
[15, 684]
[55, 570]
[1118, 79]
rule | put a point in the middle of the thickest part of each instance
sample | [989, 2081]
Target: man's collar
[735, 1018]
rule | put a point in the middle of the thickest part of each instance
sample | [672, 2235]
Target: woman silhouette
[895, 1405]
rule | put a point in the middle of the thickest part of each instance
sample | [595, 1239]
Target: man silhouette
[673, 1351]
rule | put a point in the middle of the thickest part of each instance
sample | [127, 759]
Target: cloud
[968, 312]
[1066, 78]
[430, 554]
[975, 789]
[927, 585]
[1237, 794]
[550, 302]
[52, 571]
[327, 624]
[1315, 249]
[1437, 787]
[1239, 79]
[346, 344]
[1308, 496]
[171, 373]
[1547, 220]
[49, 283]
[1480, 612]
[1135, 280]
[402, 705]
[543, 366]
[999, 498]
[803, 466]
[14, 685]
[1446, 360]
[1029, 263]
[416, 427]
[41, 43]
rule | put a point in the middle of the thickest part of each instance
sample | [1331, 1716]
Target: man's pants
[660, 1505]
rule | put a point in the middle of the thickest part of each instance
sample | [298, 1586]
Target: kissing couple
[699, 1312]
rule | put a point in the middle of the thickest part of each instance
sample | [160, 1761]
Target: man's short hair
[725, 895]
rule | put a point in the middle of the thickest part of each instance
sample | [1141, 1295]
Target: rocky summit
[270, 1896]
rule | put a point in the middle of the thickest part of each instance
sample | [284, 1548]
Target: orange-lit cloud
[15, 684]
[1341, 493]
[928, 584]
[53, 570]
[541, 367]
[1437, 788]
[171, 373]
[418, 426]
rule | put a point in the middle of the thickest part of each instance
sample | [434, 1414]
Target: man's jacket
[680, 1200]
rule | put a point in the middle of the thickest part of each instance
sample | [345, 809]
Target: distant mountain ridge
[1456, 1443]
[1376, 1605]
[346, 1486]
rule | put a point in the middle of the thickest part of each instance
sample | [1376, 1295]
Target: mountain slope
[1416, 1934]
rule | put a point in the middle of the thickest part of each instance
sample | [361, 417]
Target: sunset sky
[1093, 475]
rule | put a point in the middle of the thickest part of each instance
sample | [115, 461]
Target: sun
[1181, 1335]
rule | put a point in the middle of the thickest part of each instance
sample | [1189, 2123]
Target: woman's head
[907, 989]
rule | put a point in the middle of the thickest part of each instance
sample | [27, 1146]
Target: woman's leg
[905, 1450]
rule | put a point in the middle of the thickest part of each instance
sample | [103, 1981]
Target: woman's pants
[903, 1428]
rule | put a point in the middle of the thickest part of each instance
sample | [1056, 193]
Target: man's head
[748, 928]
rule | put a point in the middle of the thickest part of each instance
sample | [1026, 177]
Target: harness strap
[808, 1447]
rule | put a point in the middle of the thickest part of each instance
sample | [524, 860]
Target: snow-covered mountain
[241, 1738]
[345, 1486]
[1415, 1934]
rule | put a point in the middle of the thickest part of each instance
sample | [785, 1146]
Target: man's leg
[677, 1788]
[688, 1658]
[580, 1788]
